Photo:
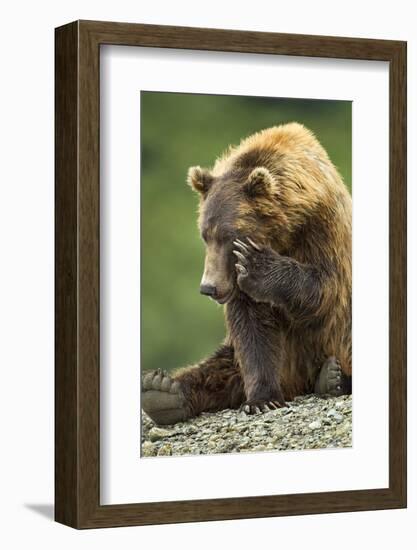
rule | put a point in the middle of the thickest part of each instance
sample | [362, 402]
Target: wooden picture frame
[77, 403]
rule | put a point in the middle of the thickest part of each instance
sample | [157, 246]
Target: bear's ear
[259, 183]
[199, 179]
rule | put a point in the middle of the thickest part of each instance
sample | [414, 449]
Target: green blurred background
[179, 326]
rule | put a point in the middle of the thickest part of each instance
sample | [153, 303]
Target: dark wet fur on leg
[255, 336]
[214, 384]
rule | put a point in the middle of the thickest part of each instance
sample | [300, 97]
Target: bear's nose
[208, 290]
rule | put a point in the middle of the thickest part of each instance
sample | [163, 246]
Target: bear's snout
[208, 290]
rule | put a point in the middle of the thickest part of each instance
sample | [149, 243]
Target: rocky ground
[309, 422]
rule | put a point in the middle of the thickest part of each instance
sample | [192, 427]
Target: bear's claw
[255, 246]
[242, 269]
[162, 398]
[253, 266]
[242, 253]
[258, 406]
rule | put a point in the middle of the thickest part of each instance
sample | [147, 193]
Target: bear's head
[240, 203]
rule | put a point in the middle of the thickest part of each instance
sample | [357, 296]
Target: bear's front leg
[269, 277]
[256, 339]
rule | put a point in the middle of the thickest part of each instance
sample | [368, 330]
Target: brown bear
[275, 217]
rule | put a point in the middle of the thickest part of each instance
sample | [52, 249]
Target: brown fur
[279, 188]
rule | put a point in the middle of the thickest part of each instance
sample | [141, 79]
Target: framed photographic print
[230, 274]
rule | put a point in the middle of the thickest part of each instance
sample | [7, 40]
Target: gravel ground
[309, 422]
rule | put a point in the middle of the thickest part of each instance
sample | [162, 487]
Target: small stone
[241, 428]
[315, 425]
[244, 442]
[225, 447]
[337, 416]
[158, 433]
[165, 450]
[278, 435]
[189, 430]
[270, 417]
[259, 448]
[343, 429]
[148, 449]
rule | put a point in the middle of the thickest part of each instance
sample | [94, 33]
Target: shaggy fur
[276, 218]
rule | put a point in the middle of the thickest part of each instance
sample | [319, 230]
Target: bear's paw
[162, 398]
